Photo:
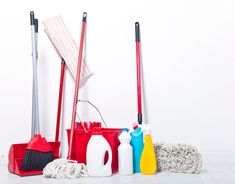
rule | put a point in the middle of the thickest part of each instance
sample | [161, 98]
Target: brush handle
[35, 129]
[33, 112]
[33, 120]
[36, 81]
[138, 69]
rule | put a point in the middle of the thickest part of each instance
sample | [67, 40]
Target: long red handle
[57, 133]
[138, 68]
[75, 101]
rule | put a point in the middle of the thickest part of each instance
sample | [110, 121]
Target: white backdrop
[188, 65]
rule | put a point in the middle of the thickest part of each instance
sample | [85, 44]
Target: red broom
[38, 152]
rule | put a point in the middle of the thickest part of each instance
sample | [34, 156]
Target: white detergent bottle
[95, 154]
[125, 154]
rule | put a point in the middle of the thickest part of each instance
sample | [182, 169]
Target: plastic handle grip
[36, 25]
[109, 162]
[31, 18]
[137, 32]
[84, 17]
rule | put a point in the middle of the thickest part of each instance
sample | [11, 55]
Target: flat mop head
[65, 46]
[178, 158]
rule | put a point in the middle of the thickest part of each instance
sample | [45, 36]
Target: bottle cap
[125, 129]
[124, 137]
[135, 125]
[147, 129]
[137, 134]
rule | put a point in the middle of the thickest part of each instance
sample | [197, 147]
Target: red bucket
[82, 135]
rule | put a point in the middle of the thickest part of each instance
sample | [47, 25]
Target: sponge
[178, 158]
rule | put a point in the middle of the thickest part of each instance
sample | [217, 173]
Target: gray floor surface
[211, 174]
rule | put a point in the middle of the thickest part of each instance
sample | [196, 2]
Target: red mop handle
[57, 133]
[75, 101]
[137, 40]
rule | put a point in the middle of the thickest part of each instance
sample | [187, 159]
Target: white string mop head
[63, 168]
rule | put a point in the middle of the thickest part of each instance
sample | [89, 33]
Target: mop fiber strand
[63, 168]
[178, 158]
[36, 160]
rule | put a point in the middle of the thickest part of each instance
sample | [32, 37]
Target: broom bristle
[36, 160]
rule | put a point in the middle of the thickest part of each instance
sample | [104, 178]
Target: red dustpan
[16, 156]
[17, 151]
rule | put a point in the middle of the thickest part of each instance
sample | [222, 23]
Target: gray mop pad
[178, 158]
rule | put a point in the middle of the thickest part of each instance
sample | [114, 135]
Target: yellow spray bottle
[148, 161]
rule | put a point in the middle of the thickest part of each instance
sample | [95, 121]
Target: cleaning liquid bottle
[95, 155]
[148, 161]
[125, 154]
[137, 145]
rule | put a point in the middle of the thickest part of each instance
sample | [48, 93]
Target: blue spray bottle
[137, 145]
